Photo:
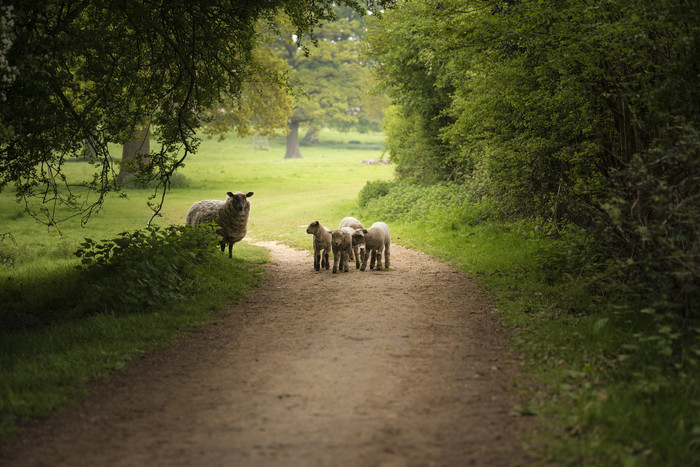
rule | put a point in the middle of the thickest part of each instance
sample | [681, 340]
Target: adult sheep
[358, 250]
[377, 239]
[322, 244]
[231, 216]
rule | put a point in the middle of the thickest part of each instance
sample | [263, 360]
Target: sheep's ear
[230, 194]
[314, 223]
[364, 230]
[249, 194]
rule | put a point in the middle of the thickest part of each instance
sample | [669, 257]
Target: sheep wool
[377, 240]
[358, 250]
[322, 244]
[230, 215]
[341, 241]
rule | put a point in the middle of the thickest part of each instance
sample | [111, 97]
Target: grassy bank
[603, 390]
[54, 345]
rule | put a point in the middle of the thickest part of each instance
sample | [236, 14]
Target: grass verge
[45, 361]
[43, 369]
[602, 391]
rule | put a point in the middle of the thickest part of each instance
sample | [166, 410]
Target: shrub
[373, 190]
[142, 270]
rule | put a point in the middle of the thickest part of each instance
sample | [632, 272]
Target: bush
[135, 272]
[143, 270]
[446, 204]
[373, 190]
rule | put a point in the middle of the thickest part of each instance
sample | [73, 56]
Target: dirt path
[401, 367]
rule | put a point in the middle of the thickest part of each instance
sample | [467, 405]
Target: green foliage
[45, 368]
[613, 385]
[444, 204]
[90, 73]
[50, 345]
[176, 181]
[577, 119]
[335, 85]
[373, 190]
[143, 270]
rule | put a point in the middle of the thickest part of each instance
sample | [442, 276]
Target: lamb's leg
[379, 260]
[317, 260]
[327, 260]
[357, 256]
[336, 258]
[346, 259]
[386, 256]
[230, 248]
[364, 261]
[374, 256]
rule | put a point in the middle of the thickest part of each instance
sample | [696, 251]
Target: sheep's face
[337, 237]
[358, 238]
[313, 227]
[239, 200]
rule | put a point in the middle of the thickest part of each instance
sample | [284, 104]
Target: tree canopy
[336, 83]
[582, 116]
[92, 72]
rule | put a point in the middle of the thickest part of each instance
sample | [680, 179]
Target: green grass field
[44, 368]
[594, 404]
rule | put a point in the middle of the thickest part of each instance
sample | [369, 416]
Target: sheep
[231, 216]
[377, 239]
[342, 248]
[358, 250]
[351, 222]
[322, 244]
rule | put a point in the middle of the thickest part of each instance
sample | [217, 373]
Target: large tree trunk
[136, 152]
[312, 136]
[293, 150]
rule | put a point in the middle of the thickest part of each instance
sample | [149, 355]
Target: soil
[407, 366]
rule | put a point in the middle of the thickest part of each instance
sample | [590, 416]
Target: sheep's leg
[336, 258]
[379, 260]
[346, 259]
[371, 262]
[326, 260]
[386, 256]
[357, 256]
[317, 260]
[364, 261]
[222, 244]
[230, 248]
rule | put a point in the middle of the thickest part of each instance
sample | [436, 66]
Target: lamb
[377, 239]
[342, 248]
[231, 216]
[322, 244]
[358, 250]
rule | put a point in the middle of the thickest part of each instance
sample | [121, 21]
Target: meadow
[47, 358]
[595, 399]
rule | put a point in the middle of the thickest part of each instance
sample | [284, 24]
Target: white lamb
[231, 216]
[322, 244]
[341, 240]
[358, 250]
[377, 239]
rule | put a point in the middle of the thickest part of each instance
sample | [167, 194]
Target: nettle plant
[142, 270]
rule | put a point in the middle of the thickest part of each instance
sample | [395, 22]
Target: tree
[336, 82]
[135, 153]
[580, 115]
[95, 71]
